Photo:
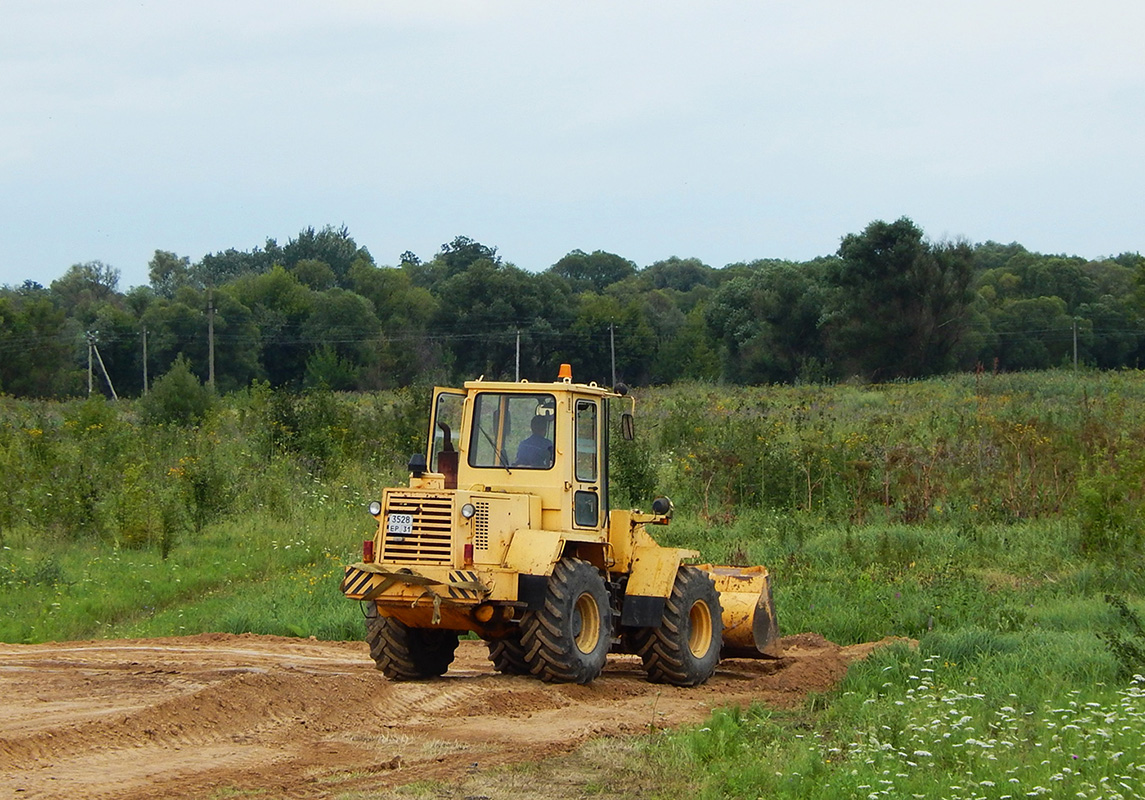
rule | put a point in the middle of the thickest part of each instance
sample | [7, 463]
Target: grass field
[997, 520]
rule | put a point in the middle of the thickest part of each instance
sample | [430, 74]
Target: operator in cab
[537, 450]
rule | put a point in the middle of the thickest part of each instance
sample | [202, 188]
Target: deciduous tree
[901, 305]
[593, 272]
[769, 323]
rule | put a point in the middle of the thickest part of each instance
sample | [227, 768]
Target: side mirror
[627, 426]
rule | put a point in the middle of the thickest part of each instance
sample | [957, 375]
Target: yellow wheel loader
[505, 531]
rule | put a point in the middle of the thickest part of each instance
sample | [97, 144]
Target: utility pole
[612, 347]
[91, 346]
[518, 378]
[1075, 344]
[106, 377]
[144, 360]
[211, 338]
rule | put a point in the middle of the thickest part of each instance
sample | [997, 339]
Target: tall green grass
[995, 519]
[983, 448]
[914, 724]
[112, 527]
[1025, 681]
[256, 575]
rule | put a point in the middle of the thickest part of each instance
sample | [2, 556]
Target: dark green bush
[632, 471]
[178, 398]
[1125, 640]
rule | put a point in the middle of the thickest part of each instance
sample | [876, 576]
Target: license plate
[399, 524]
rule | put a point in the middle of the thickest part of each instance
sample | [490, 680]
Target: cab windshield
[513, 431]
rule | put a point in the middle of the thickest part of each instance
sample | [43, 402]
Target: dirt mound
[179, 717]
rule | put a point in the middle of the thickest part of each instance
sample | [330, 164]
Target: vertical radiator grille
[431, 539]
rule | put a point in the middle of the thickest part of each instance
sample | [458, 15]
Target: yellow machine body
[470, 543]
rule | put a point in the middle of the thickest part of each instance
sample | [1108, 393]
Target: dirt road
[223, 715]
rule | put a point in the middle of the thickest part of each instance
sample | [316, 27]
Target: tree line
[320, 312]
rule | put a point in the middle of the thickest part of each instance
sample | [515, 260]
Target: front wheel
[567, 640]
[403, 653]
[685, 649]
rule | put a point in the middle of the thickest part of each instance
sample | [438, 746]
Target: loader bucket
[750, 626]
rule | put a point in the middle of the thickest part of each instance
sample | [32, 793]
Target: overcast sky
[725, 131]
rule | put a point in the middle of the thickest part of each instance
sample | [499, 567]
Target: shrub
[325, 369]
[632, 471]
[1110, 505]
[1125, 641]
[178, 398]
[145, 516]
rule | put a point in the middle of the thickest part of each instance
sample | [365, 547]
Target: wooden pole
[1075, 344]
[144, 360]
[210, 338]
[612, 347]
[107, 377]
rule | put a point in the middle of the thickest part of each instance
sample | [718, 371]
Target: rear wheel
[685, 649]
[403, 653]
[567, 640]
[508, 655]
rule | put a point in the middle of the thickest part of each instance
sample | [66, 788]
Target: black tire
[567, 640]
[508, 655]
[685, 649]
[403, 653]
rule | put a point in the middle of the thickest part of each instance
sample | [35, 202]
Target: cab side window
[586, 441]
[586, 504]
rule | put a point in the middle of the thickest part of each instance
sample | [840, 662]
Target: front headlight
[468, 511]
[375, 508]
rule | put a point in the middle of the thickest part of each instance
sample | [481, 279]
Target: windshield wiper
[500, 453]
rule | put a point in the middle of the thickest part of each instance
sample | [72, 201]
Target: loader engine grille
[429, 539]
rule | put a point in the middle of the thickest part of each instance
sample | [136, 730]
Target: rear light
[368, 551]
[467, 553]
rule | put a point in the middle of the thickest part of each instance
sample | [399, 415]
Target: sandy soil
[218, 715]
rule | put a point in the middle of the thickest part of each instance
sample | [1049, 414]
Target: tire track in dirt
[180, 717]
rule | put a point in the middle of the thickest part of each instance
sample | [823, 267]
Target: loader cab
[545, 439]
